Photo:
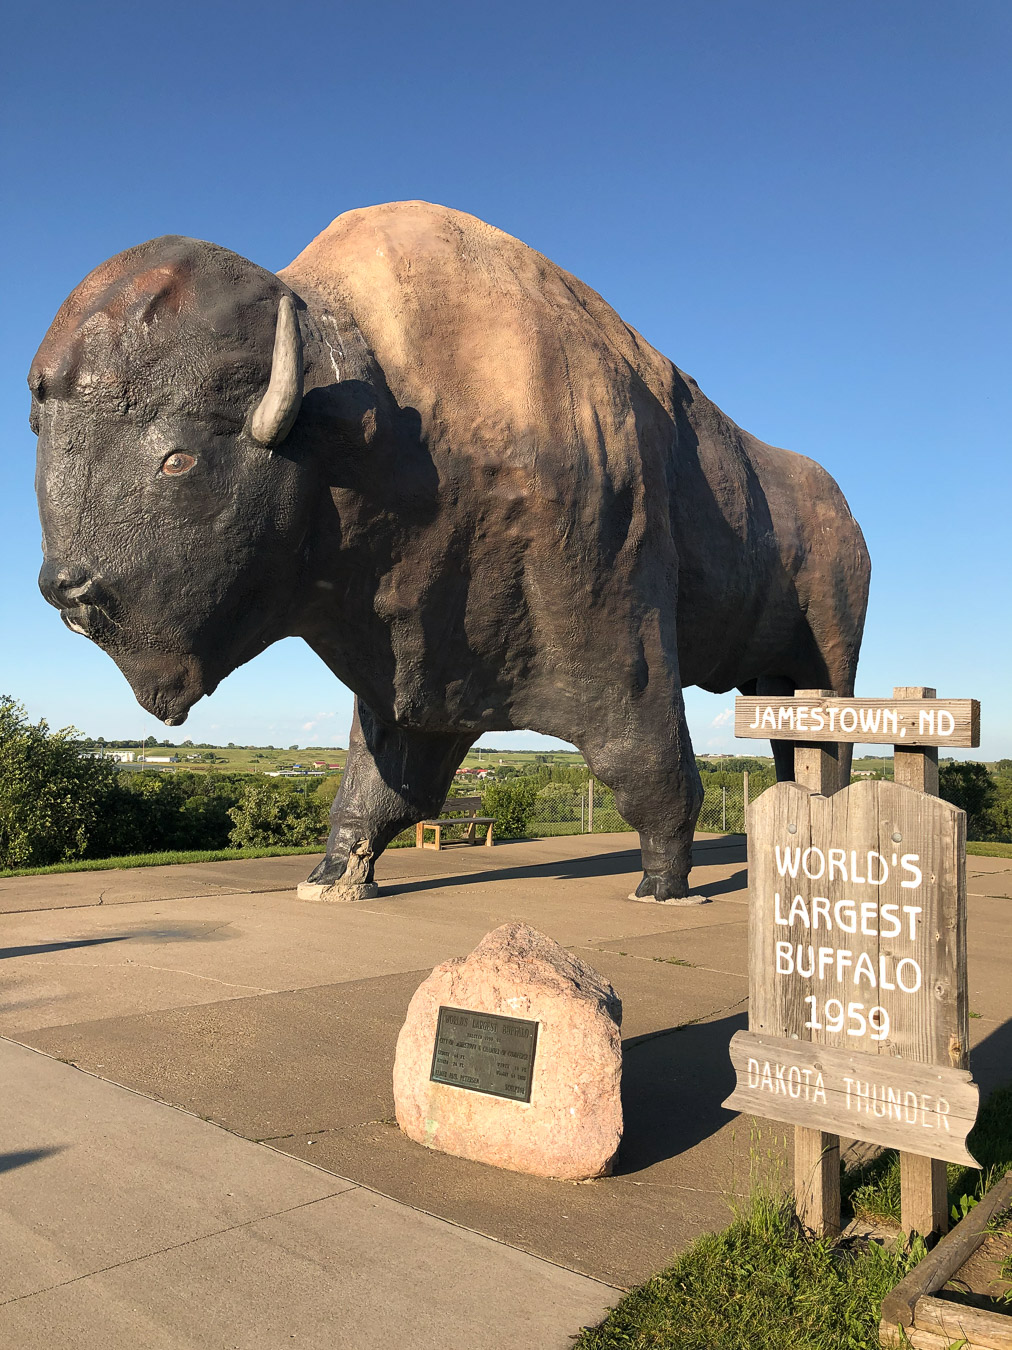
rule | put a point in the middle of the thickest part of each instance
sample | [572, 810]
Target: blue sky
[806, 206]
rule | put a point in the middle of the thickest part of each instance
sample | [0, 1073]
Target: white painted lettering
[789, 861]
[837, 863]
[820, 862]
[907, 863]
[845, 913]
[785, 958]
[799, 912]
[881, 879]
[912, 911]
[888, 913]
[805, 974]
[870, 719]
[883, 981]
[864, 967]
[916, 977]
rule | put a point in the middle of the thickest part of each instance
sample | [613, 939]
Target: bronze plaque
[484, 1052]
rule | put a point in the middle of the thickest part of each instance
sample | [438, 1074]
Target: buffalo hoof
[341, 892]
[659, 890]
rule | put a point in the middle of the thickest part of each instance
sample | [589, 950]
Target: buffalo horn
[279, 407]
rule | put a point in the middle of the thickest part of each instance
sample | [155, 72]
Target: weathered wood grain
[870, 721]
[977, 1326]
[816, 1151]
[887, 862]
[920, 1108]
[924, 1191]
[942, 1262]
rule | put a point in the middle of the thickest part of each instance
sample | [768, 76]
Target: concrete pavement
[128, 1224]
[219, 992]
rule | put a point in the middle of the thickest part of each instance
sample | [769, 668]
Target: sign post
[857, 932]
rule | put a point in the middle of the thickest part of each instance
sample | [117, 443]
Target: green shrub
[52, 801]
[510, 805]
[268, 814]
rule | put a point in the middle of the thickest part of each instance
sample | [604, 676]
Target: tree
[510, 805]
[267, 815]
[52, 799]
[970, 786]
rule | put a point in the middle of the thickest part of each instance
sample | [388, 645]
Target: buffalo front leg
[650, 765]
[393, 779]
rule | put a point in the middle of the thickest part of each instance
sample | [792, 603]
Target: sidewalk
[214, 989]
[128, 1225]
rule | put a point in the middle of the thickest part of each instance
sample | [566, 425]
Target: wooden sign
[871, 721]
[920, 1108]
[857, 937]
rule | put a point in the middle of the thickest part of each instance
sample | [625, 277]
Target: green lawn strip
[990, 850]
[161, 860]
[761, 1284]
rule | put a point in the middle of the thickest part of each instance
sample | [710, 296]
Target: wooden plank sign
[857, 937]
[870, 721]
[920, 1108]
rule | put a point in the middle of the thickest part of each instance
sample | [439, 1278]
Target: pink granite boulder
[572, 1125]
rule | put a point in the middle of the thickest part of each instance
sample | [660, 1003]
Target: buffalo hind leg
[652, 770]
[393, 779]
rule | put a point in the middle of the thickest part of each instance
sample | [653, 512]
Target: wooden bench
[472, 805]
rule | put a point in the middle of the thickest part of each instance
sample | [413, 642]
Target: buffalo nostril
[64, 583]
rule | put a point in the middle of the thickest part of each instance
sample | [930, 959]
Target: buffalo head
[172, 478]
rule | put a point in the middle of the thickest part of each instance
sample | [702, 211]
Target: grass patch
[990, 850]
[761, 1284]
[764, 1284]
[160, 860]
[873, 1191]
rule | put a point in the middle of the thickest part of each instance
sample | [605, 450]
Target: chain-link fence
[563, 808]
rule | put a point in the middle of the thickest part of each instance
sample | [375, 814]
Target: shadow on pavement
[10, 1161]
[737, 882]
[705, 852]
[566, 869]
[44, 948]
[177, 932]
[991, 1060]
[672, 1085]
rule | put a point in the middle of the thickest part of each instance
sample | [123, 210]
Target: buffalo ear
[276, 412]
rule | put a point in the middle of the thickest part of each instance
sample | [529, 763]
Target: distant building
[120, 756]
[159, 759]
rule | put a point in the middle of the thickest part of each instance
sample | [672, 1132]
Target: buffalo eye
[177, 463]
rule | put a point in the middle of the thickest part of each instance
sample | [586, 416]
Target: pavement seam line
[289, 1157]
[442, 1218]
[663, 960]
[144, 965]
[175, 1246]
[634, 1041]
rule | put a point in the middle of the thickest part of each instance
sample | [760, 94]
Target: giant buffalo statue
[482, 499]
